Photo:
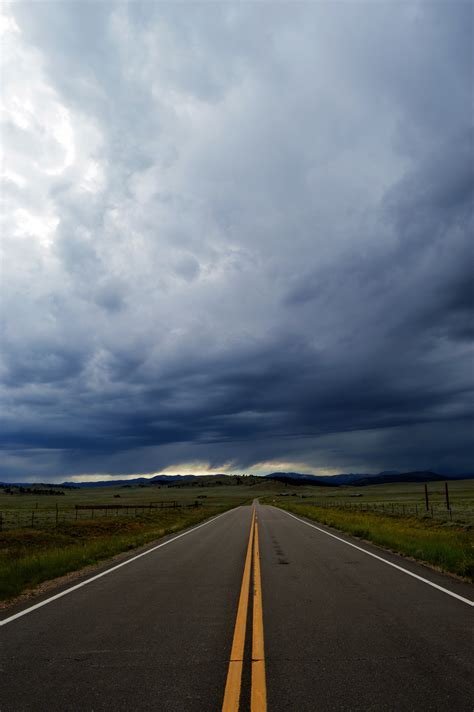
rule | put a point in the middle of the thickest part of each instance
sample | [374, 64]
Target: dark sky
[238, 237]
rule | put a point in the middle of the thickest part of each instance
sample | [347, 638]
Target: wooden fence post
[447, 495]
[426, 498]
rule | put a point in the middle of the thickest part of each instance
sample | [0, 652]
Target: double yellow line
[258, 697]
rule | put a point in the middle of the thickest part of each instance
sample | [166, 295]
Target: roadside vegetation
[29, 557]
[43, 536]
[448, 546]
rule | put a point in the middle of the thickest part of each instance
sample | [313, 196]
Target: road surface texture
[341, 630]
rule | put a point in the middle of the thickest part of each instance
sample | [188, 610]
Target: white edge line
[109, 571]
[380, 558]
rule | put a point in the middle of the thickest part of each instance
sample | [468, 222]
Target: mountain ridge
[295, 478]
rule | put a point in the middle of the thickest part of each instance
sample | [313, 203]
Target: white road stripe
[109, 571]
[380, 558]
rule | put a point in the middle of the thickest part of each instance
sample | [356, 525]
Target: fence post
[447, 495]
[426, 498]
[56, 513]
[76, 511]
[32, 518]
[1, 522]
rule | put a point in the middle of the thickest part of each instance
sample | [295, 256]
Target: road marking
[380, 558]
[258, 697]
[236, 662]
[108, 571]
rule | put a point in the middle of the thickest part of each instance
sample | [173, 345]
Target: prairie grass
[29, 557]
[447, 546]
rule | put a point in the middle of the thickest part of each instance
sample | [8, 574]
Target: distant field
[21, 510]
[16, 509]
[406, 498]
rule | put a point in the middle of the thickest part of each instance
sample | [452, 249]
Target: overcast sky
[237, 237]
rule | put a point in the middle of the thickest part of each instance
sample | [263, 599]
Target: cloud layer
[236, 235]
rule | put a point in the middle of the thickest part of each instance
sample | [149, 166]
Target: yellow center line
[234, 673]
[258, 697]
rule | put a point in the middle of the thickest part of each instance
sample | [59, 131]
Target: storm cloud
[236, 236]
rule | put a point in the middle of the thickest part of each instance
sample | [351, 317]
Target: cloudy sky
[236, 237]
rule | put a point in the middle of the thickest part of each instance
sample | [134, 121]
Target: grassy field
[58, 543]
[448, 545]
[31, 555]
[402, 498]
[16, 508]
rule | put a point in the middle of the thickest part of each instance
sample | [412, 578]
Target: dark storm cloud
[251, 243]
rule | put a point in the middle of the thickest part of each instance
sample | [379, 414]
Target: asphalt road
[342, 630]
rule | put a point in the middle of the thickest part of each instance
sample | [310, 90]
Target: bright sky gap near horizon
[236, 237]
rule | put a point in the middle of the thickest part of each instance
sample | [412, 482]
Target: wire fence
[436, 511]
[44, 517]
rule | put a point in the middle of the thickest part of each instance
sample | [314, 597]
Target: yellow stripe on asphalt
[234, 673]
[258, 696]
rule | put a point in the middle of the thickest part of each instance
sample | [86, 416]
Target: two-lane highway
[339, 629]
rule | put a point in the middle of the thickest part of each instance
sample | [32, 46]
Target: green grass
[399, 494]
[29, 557]
[447, 546]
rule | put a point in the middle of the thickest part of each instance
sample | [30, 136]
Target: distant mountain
[359, 479]
[296, 478]
[158, 479]
[417, 476]
[134, 482]
[293, 478]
